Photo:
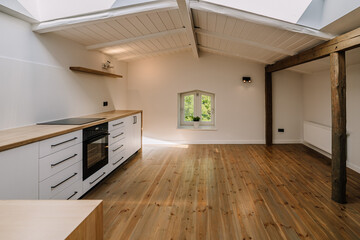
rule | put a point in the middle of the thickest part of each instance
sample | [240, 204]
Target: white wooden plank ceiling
[168, 30]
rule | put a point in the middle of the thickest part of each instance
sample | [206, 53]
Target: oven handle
[96, 137]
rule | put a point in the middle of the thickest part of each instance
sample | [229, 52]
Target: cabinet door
[136, 133]
[19, 172]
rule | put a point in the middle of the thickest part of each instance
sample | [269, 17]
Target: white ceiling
[146, 28]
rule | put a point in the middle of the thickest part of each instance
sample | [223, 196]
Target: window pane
[189, 108]
[205, 108]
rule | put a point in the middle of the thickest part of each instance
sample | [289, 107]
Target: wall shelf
[92, 71]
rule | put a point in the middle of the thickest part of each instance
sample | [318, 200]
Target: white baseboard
[258, 141]
[287, 141]
[326, 154]
[353, 167]
[171, 142]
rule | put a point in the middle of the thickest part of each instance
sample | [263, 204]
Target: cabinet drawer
[95, 178]
[117, 135]
[56, 144]
[116, 148]
[60, 181]
[118, 123]
[58, 161]
[117, 160]
[70, 193]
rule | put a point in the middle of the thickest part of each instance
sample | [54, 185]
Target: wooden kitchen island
[51, 219]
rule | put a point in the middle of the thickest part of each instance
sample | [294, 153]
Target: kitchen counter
[53, 219]
[17, 137]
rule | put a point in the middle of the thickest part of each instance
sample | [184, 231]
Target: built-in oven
[95, 149]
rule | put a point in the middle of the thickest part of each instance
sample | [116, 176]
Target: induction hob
[71, 121]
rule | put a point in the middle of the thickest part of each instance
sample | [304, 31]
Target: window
[196, 104]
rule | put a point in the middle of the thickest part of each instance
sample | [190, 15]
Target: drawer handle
[98, 178]
[118, 135]
[72, 195]
[53, 187]
[55, 164]
[58, 144]
[117, 124]
[118, 160]
[118, 148]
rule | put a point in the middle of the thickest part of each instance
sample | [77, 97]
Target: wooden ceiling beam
[186, 17]
[147, 54]
[136, 39]
[70, 22]
[344, 42]
[258, 19]
[244, 41]
[231, 54]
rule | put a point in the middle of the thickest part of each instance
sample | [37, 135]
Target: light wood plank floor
[226, 192]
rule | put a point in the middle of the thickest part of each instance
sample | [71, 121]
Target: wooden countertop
[50, 219]
[16, 137]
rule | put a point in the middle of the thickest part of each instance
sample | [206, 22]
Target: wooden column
[268, 109]
[338, 110]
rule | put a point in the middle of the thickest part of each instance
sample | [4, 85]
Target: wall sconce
[246, 79]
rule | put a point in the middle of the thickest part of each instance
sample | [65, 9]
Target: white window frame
[197, 108]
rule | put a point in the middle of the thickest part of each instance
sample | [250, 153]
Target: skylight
[286, 10]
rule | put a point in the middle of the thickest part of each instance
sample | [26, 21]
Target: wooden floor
[226, 192]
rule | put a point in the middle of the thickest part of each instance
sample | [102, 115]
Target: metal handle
[118, 148]
[53, 187]
[55, 164]
[72, 195]
[98, 178]
[55, 145]
[118, 160]
[114, 125]
[135, 119]
[118, 135]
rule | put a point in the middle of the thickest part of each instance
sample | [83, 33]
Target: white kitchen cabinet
[134, 134]
[19, 172]
[55, 144]
[60, 181]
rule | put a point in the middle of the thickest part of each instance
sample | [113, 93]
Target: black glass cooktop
[71, 121]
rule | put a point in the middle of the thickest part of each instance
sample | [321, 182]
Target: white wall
[317, 107]
[36, 84]
[287, 107]
[240, 112]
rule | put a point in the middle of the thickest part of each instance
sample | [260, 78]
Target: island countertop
[51, 219]
[16, 137]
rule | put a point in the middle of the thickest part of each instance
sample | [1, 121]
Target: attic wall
[36, 84]
[240, 109]
[317, 107]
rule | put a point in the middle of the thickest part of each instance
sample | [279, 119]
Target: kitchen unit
[32, 219]
[46, 161]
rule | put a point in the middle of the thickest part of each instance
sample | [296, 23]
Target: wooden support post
[338, 110]
[268, 109]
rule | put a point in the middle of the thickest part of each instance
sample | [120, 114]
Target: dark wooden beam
[338, 110]
[268, 109]
[341, 43]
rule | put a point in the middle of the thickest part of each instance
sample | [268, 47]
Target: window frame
[197, 108]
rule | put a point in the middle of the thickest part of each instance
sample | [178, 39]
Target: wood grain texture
[338, 115]
[226, 192]
[96, 72]
[17, 137]
[344, 42]
[51, 219]
[268, 109]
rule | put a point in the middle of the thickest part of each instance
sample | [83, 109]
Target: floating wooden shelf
[92, 71]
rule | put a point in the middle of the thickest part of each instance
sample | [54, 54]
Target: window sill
[200, 128]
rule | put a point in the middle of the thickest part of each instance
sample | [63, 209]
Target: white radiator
[318, 135]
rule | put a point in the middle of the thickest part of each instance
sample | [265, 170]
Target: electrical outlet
[281, 130]
[105, 103]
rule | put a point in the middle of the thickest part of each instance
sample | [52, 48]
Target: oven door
[95, 154]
